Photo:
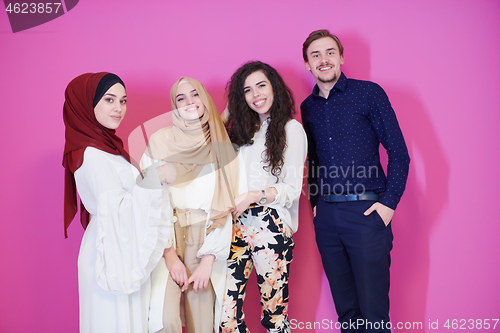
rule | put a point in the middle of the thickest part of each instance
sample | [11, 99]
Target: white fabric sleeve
[147, 164]
[130, 233]
[290, 187]
[243, 181]
[218, 242]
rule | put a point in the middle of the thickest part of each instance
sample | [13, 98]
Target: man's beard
[333, 79]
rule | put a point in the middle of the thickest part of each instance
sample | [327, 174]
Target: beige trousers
[193, 310]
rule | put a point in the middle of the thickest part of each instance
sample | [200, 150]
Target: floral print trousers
[262, 240]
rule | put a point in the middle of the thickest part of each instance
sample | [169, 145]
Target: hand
[201, 274]
[176, 268]
[243, 201]
[314, 211]
[167, 173]
[385, 212]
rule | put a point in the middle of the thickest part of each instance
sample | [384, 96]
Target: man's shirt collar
[341, 85]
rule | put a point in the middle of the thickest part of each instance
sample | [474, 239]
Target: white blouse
[122, 243]
[289, 182]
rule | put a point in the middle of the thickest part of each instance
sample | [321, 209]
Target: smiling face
[324, 60]
[112, 106]
[259, 94]
[188, 102]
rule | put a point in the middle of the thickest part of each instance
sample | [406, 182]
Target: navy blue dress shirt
[344, 132]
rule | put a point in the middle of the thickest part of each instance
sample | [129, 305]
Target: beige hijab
[190, 144]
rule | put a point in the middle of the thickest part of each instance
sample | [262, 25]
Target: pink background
[437, 61]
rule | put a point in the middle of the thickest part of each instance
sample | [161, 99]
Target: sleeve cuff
[151, 178]
[390, 200]
[279, 190]
[313, 199]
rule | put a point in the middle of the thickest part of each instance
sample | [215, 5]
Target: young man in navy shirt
[353, 201]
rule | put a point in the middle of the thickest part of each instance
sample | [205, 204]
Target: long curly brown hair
[243, 122]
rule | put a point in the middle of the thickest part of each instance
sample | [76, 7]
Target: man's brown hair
[317, 34]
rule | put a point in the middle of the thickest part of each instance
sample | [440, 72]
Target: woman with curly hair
[273, 149]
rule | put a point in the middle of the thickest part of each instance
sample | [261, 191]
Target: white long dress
[197, 194]
[122, 243]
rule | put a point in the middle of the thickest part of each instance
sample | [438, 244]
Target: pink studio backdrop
[437, 60]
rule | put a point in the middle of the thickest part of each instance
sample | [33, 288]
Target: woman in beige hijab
[188, 285]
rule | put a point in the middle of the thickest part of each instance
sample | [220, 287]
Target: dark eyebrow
[329, 49]
[113, 95]
[263, 81]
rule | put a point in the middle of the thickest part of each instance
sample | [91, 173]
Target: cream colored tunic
[196, 195]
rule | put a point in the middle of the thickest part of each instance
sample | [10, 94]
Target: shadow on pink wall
[425, 198]
[426, 193]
